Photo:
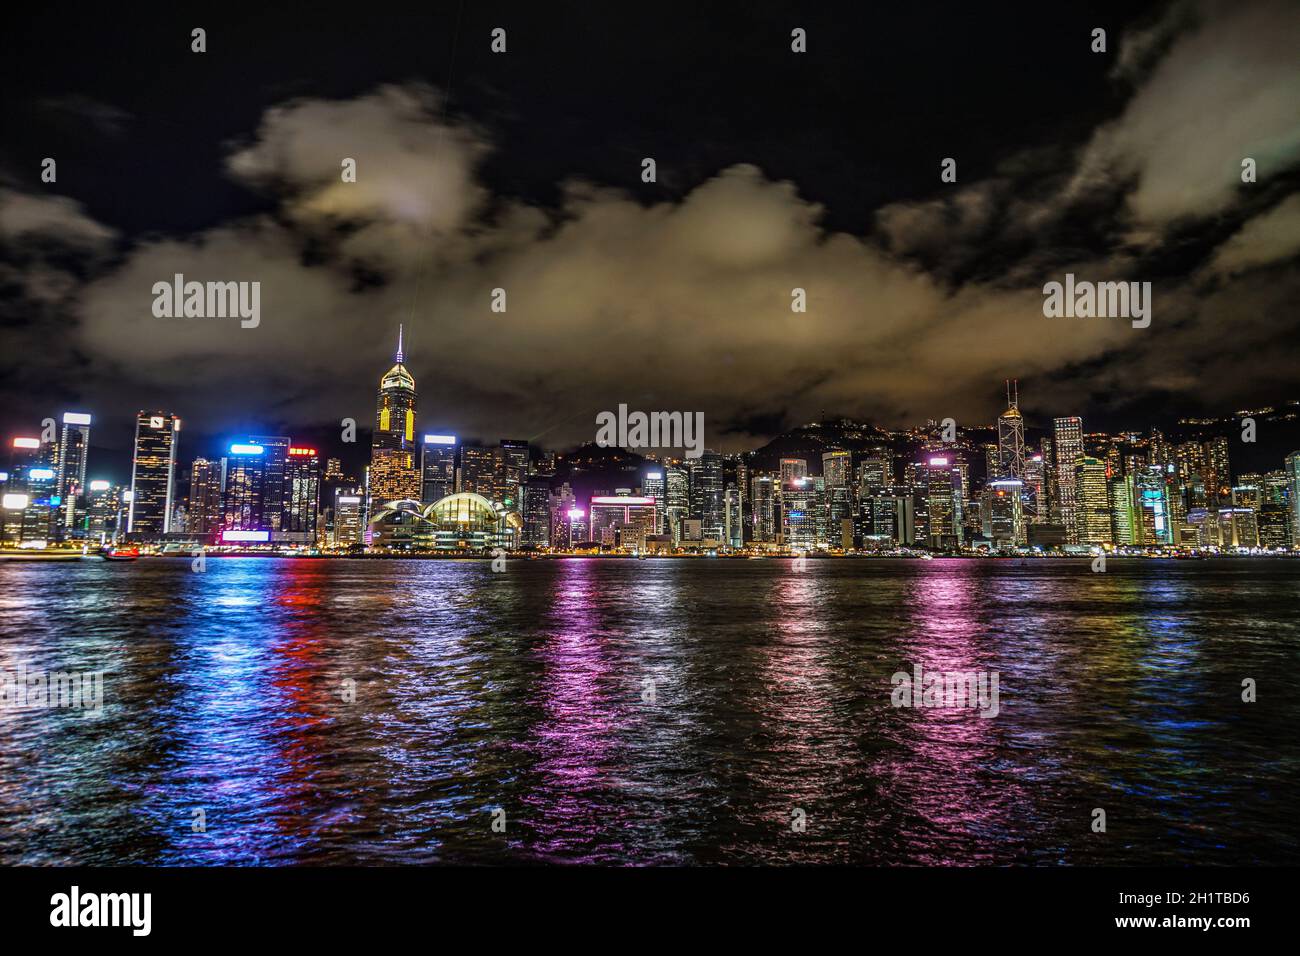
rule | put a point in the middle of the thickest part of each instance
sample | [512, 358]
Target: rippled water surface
[527, 691]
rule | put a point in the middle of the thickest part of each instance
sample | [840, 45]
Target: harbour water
[281, 711]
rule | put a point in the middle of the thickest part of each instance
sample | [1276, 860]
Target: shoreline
[565, 556]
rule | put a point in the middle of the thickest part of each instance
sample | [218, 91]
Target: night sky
[522, 171]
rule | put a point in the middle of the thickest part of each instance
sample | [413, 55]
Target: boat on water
[40, 554]
[120, 554]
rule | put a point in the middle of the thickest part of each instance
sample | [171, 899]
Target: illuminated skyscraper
[1034, 497]
[1123, 515]
[104, 510]
[153, 475]
[1011, 437]
[653, 487]
[478, 470]
[438, 468]
[707, 489]
[792, 469]
[206, 482]
[71, 469]
[512, 470]
[1003, 517]
[940, 478]
[394, 471]
[763, 497]
[347, 518]
[275, 491]
[1293, 492]
[800, 503]
[1092, 502]
[837, 467]
[243, 495]
[837, 473]
[678, 498]
[31, 501]
[1068, 434]
[301, 496]
[562, 502]
[733, 520]
[1153, 526]
[535, 507]
[1218, 477]
[875, 471]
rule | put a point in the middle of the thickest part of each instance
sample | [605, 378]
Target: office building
[1068, 441]
[394, 471]
[437, 468]
[153, 475]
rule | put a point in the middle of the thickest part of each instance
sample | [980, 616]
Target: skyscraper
[1125, 529]
[153, 474]
[347, 519]
[653, 487]
[1293, 491]
[275, 466]
[677, 497]
[394, 472]
[1034, 496]
[939, 477]
[1003, 518]
[301, 496]
[535, 507]
[1092, 502]
[71, 471]
[763, 496]
[793, 468]
[875, 471]
[206, 482]
[733, 519]
[512, 470]
[438, 468]
[478, 470]
[707, 493]
[837, 467]
[1011, 437]
[1218, 477]
[1068, 434]
[243, 494]
[562, 503]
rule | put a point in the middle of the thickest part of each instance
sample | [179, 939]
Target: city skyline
[359, 453]
[870, 490]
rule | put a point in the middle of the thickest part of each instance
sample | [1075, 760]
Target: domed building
[460, 522]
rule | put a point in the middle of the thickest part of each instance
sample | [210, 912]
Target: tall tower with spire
[1011, 436]
[394, 466]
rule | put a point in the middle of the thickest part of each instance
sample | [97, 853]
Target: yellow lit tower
[394, 469]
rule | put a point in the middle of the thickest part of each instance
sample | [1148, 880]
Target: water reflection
[650, 712]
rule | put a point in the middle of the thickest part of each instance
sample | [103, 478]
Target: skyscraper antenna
[399, 343]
